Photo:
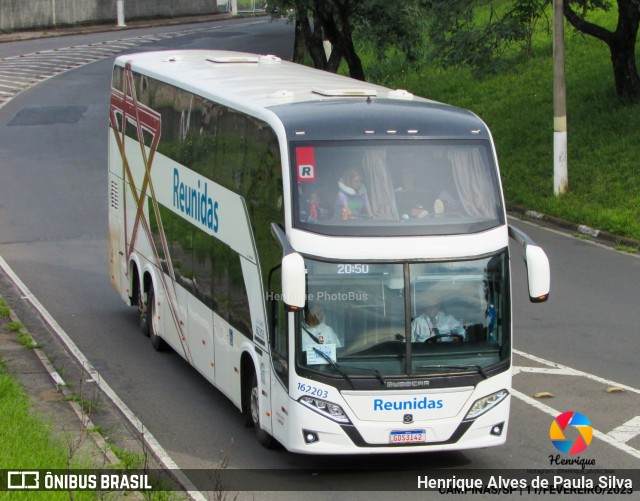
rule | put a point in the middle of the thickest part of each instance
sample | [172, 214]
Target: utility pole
[120, 13]
[560, 176]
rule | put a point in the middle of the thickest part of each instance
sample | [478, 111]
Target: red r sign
[305, 161]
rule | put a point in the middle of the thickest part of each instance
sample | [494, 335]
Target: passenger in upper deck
[312, 208]
[352, 201]
[410, 198]
[447, 203]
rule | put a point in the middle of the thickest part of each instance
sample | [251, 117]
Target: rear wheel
[157, 342]
[143, 313]
[254, 414]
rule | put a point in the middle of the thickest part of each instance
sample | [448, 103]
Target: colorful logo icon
[574, 420]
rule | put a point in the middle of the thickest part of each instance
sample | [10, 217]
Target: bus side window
[278, 326]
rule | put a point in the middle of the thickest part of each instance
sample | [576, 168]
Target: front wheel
[254, 413]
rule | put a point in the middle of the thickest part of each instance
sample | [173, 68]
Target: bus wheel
[157, 342]
[254, 409]
[143, 313]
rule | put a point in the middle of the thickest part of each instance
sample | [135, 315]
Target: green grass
[5, 311]
[517, 105]
[40, 451]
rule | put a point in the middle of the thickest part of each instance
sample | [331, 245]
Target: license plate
[407, 436]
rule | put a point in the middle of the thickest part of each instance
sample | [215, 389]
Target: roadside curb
[87, 426]
[593, 234]
[118, 426]
[84, 29]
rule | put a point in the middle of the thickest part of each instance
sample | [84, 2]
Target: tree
[621, 42]
[457, 36]
[475, 32]
[336, 21]
[317, 21]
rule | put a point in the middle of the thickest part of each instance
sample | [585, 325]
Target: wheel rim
[254, 405]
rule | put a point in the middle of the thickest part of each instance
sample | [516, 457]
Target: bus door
[279, 344]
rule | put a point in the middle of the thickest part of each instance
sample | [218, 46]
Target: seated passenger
[352, 201]
[315, 331]
[436, 325]
[313, 209]
[446, 203]
[410, 198]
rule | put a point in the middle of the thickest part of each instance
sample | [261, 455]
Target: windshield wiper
[340, 370]
[478, 368]
[370, 370]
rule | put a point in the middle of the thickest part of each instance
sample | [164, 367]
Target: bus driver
[315, 331]
[436, 325]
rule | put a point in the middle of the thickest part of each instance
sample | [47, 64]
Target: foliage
[621, 41]
[40, 451]
[477, 33]
[386, 24]
[5, 311]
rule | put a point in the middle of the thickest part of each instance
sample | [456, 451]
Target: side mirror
[294, 272]
[538, 271]
[294, 287]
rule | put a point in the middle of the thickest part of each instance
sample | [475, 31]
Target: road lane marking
[621, 446]
[574, 372]
[545, 370]
[627, 431]
[49, 63]
[617, 437]
[159, 452]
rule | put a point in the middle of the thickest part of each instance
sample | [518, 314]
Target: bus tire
[157, 342]
[143, 313]
[264, 438]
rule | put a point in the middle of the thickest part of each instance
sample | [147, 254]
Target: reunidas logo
[406, 405]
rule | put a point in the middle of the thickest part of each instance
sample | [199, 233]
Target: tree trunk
[625, 72]
[621, 45]
[349, 51]
[310, 39]
[337, 28]
[623, 54]
[299, 42]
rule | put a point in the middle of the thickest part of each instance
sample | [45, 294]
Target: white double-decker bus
[330, 254]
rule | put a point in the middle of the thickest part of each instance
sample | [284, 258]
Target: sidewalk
[63, 395]
[18, 36]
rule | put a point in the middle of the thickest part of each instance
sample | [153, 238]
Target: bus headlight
[484, 404]
[327, 409]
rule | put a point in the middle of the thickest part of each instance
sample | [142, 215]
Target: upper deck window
[403, 187]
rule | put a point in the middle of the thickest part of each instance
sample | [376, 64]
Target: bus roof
[294, 92]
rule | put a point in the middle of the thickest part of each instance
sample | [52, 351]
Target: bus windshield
[359, 317]
[402, 187]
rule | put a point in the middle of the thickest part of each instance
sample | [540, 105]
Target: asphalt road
[53, 234]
